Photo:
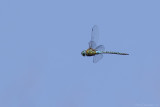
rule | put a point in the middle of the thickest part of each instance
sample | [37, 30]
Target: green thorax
[90, 52]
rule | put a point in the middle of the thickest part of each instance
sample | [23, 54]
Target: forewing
[100, 48]
[92, 44]
[94, 35]
[97, 57]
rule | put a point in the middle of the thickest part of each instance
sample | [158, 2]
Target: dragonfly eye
[83, 53]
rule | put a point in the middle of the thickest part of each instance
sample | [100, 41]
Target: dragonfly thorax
[90, 52]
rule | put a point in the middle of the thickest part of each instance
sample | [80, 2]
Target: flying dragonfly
[97, 51]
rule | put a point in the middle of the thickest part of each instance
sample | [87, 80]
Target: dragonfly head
[83, 53]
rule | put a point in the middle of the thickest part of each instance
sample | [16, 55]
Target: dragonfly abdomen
[118, 53]
[99, 52]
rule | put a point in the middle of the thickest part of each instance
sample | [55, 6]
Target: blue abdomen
[98, 52]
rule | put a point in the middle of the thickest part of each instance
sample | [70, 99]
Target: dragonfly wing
[100, 48]
[97, 57]
[94, 36]
[92, 44]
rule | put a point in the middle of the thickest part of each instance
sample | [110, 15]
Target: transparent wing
[100, 48]
[95, 34]
[92, 44]
[94, 37]
[97, 57]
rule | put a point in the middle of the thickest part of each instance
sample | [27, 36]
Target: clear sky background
[40, 53]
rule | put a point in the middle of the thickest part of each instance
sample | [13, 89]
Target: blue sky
[41, 63]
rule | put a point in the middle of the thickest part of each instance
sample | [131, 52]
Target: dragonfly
[94, 50]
